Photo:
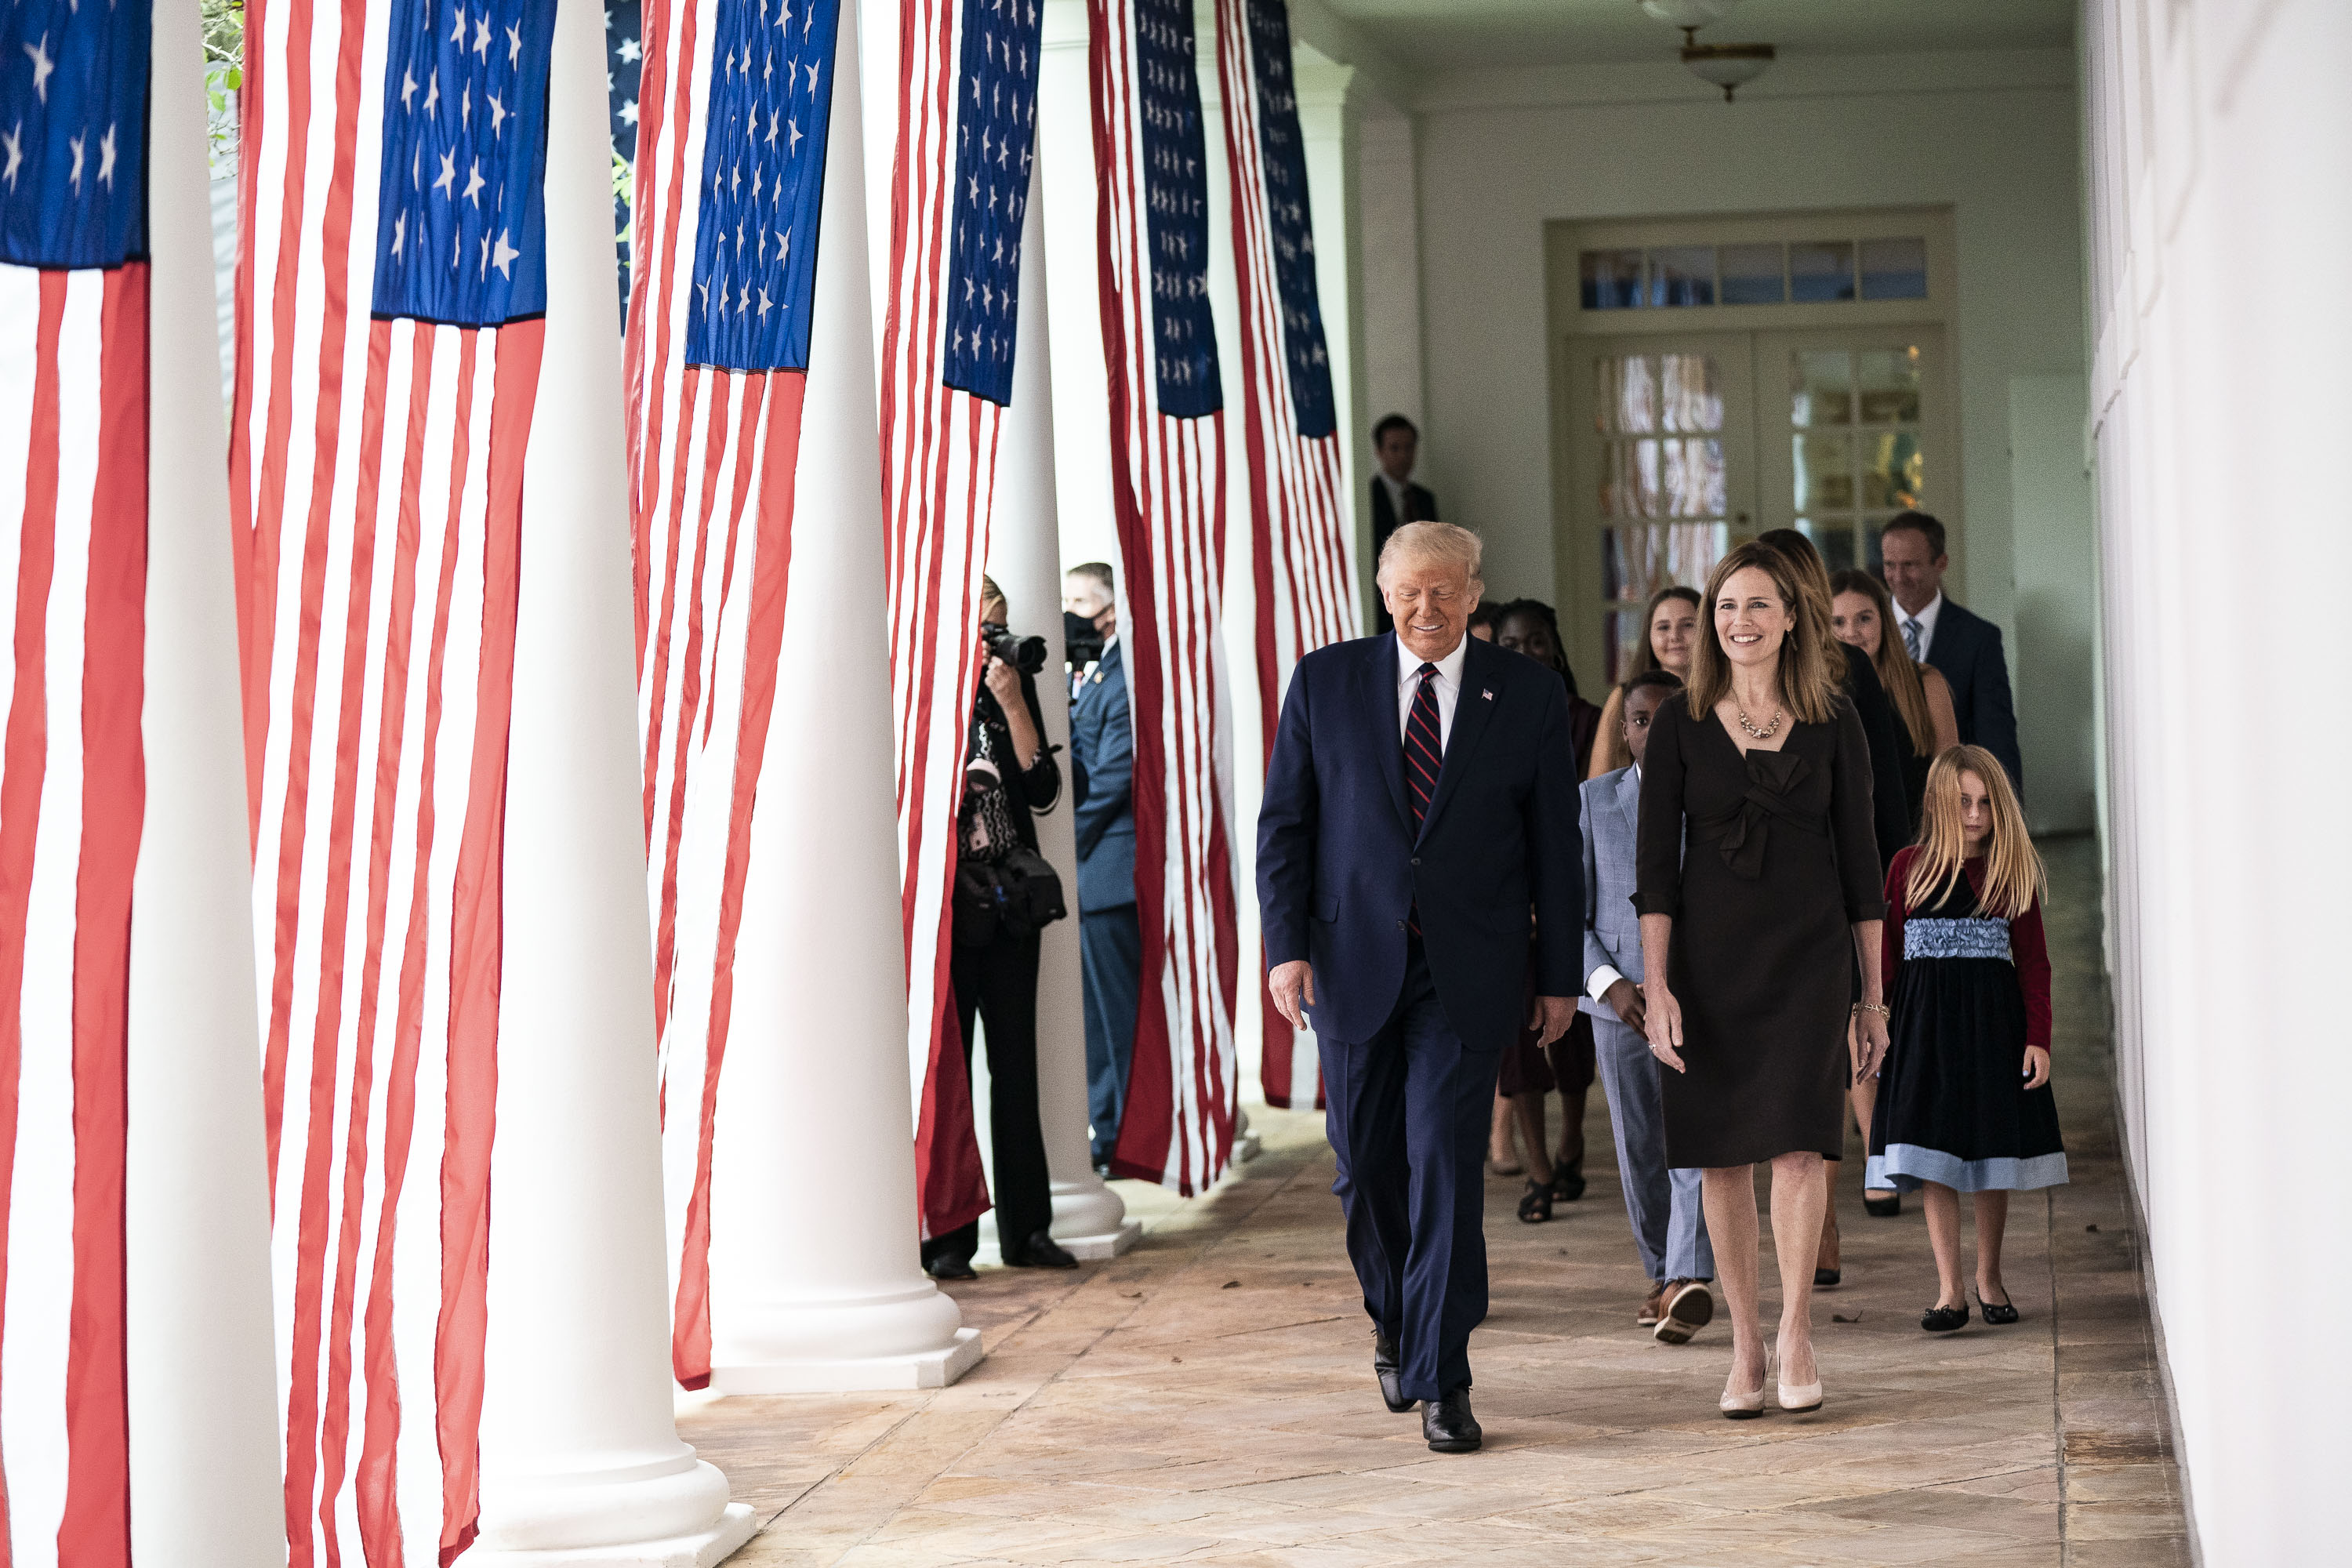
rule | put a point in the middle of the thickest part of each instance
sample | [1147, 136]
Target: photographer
[1005, 891]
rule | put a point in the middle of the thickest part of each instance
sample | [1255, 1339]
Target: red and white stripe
[376, 469]
[939, 477]
[1300, 532]
[73, 491]
[1167, 488]
[712, 457]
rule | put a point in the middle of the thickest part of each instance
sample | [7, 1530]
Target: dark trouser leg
[1110, 957]
[1008, 1015]
[1448, 1093]
[1363, 1095]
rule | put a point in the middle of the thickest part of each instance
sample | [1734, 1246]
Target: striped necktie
[1911, 630]
[1423, 748]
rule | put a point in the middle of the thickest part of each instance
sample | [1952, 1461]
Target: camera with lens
[1027, 655]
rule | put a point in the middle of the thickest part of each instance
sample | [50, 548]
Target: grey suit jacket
[1608, 809]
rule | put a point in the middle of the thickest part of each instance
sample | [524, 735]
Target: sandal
[1535, 1204]
[2003, 1314]
[1944, 1319]
[1566, 1183]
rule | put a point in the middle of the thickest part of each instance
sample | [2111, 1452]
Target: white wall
[2221, 174]
[1994, 135]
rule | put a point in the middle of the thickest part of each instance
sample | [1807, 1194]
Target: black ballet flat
[1535, 1204]
[1825, 1277]
[1999, 1316]
[1883, 1208]
[1944, 1319]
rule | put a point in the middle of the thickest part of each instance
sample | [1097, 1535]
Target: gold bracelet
[1880, 1008]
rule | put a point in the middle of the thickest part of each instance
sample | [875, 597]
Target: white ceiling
[1452, 35]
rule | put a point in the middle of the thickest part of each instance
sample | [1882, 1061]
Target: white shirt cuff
[1597, 987]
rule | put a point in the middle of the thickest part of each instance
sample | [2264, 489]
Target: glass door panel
[1662, 437]
[1853, 426]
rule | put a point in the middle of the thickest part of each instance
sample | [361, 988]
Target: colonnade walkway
[1208, 1398]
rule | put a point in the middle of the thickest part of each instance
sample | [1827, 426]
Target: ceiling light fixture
[1690, 16]
[1728, 65]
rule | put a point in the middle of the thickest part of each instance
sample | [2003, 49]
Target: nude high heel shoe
[1746, 1406]
[1797, 1399]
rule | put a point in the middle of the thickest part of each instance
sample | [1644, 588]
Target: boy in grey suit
[1669, 1226]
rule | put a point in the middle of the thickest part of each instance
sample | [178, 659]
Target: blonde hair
[1443, 543]
[1898, 670]
[1808, 680]
[2013, 879]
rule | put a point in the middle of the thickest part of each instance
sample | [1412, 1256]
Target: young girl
[1964, 1101]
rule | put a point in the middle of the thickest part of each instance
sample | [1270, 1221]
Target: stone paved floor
[1206, 1398]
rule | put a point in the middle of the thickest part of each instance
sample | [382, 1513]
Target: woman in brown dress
[1751, 938]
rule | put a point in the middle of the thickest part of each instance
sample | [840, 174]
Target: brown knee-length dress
[1765, 860]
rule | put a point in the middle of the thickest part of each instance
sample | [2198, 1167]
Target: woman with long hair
[1669, 631]
[1860, 613]
[1759, 895]
[1969, 1108]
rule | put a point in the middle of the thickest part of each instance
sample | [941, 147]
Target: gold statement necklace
[1763, 733]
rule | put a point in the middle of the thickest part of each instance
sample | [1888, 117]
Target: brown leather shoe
[1652, 1307]
[1690, 1307]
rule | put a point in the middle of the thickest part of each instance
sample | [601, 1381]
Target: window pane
[1751, 275]
[1824, 473]
[1629, 479]
[1618, 632]
[1684, 276]
[1893, 269]
[1820, 271]
[1635, 563]
[1889, 383]
[1612, 279]
[1693, 399]
[1892, 475]
[1626, 398]
[1691, 477]
[1821, 388]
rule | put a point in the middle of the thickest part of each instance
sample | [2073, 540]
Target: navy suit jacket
[1967, 648]
[1102, 767]
[1339, 866]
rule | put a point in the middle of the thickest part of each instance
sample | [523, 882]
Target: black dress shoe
[1944, 1319]
[950, 1269]
[1040, 1251]
[1882, 1208]
[1384, 1367]
[1448, 1424]
[1825, 1278]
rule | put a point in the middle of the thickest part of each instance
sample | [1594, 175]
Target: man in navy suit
[1396, 499]
[1110, 940]
[1420, 801]
[1965, 647]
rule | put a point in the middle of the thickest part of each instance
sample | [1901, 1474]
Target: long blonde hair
[2013, 877]
[1808, 681]
[1897, 671]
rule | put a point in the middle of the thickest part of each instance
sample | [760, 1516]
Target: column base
[1107, 1244]
[854, 1375]
[705, 1550]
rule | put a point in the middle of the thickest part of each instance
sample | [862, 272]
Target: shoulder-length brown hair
[1808, 681]
[1897, 671]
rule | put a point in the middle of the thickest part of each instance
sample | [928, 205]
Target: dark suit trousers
[999, 984]
[1110, 958]
[1407, 1113]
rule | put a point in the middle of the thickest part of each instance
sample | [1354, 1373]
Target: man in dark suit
[1396, 499]
[1110, 939]
[1420, 801]
[1965, 647]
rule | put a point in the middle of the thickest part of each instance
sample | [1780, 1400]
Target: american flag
[1299, 527]
[1168, 481]
[734, 115]
[960, 183]
[625, 64]
[73, 467]
[389, 290]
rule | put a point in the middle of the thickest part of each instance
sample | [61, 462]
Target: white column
[815, 1283]
[580, 1459]
[202, 1406]
[1024, 557]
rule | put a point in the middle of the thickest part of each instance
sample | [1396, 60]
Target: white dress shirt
[1926, 619]
[1602, 978]
[1448, 686]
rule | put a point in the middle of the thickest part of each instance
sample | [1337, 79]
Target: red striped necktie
[1424, 750]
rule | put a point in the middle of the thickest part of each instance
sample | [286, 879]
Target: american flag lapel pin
[1487, 692]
